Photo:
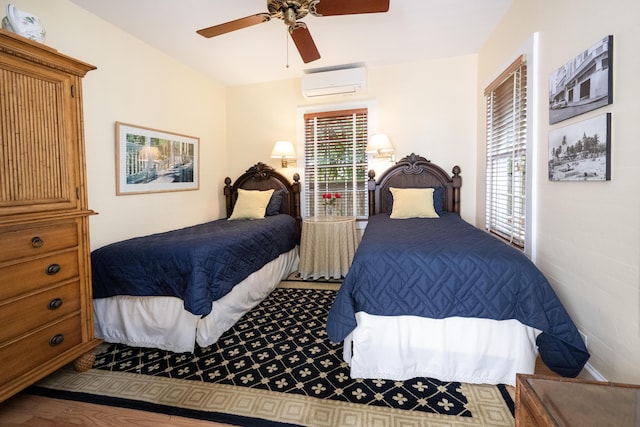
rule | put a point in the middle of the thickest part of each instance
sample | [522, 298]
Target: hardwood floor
[37, 411]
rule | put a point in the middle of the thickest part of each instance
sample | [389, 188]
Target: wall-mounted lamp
[284, 150]
[380, 147]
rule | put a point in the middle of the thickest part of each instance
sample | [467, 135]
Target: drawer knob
[37, 242]
[53, 269]
[55, 303]
[56, 340]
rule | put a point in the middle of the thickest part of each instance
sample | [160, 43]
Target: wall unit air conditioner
[338, 82]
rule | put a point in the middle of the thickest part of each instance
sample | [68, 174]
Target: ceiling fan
[290, 11]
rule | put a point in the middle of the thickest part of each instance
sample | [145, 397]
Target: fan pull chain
[286, 41]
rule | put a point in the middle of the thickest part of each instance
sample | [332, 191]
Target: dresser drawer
[32, 275]
[34, 241]
[19, 357]
[21, 315]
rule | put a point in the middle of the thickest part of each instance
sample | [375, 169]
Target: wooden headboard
[264, 177]
[413, 171]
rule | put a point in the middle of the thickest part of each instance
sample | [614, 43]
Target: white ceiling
[411, 30]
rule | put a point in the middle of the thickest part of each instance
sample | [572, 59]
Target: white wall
[426, 107]
[588, 233]
[139, 85]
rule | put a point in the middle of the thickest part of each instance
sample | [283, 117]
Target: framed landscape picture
[582, 151]
[150, 160]
[582, 84]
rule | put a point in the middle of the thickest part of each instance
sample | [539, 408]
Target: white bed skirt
[162, 322]
[471, 350]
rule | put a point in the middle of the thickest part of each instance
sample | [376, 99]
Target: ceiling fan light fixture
[291, 11]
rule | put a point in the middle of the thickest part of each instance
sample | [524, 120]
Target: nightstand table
[556, 401]
[327, 246]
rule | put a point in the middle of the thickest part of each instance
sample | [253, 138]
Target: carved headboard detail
[413, 171]
[264, 177]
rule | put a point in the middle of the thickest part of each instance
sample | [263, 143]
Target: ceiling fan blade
[349, 7]
[237, 24]
[304, 42]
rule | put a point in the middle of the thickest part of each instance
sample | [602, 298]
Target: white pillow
[251, 204]
[413, 203]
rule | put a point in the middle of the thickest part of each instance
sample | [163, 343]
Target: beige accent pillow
[251, 204]
[413, 203]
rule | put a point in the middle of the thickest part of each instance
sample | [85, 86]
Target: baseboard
[593, 372]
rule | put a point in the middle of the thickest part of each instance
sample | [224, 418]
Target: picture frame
[152, 161]
[583, 84]
[581, 151]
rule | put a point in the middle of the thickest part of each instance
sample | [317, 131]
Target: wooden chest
[567, 402]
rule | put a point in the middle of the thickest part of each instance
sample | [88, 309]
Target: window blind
[335, 161]
[506, 100]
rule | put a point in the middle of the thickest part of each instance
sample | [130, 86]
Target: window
[335, 161]
[506, 120]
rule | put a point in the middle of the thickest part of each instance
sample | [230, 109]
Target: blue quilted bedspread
[445, 267]
[198, 264]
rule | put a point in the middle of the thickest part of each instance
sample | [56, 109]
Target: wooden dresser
[45, 277]
[567, 402]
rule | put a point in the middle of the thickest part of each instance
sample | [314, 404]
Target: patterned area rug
[276, 367]
[296, 277]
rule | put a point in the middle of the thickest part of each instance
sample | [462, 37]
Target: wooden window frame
[506, 154]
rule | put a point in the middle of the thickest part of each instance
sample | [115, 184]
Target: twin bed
[175, 289]
[427, 295]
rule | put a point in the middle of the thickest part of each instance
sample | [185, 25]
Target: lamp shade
[379, 144]
[283, 149]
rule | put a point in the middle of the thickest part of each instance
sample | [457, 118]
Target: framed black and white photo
[152, 161]
[582, 84]
[581, 151]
